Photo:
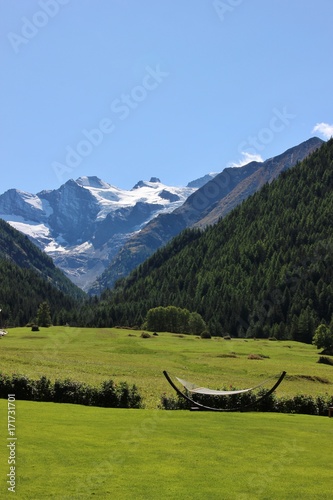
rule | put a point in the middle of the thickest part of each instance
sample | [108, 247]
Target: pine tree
[44, 315]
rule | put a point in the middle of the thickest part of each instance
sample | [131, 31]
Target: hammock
[211, 392]
[193, 388]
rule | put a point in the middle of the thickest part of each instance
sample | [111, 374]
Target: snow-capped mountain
[97, 233]
[83, 224]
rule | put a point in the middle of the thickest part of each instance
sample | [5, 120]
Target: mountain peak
[198, 183]
[141, 183]
[92, 181]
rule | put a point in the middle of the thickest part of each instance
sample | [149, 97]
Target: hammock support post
[199, 406]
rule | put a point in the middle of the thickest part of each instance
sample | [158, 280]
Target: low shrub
[301, 404]
[145, 335]
[109, 394]
[173, 403]
[5, 386]
[328, 351]
[44, 390]
[23, 387]
[69, 391]
[325, 360]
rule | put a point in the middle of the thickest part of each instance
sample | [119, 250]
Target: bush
[35, 328]
[128, 397]
[327, 352]
[325, 361]
[43, 390]
[301, 404]
[5, 386]
[107, 395]
[174, 403]
[206, 335]
[69, 391]
[323, 337]
[23, 387]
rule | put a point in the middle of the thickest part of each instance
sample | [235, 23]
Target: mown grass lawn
[77, 452]
[93, 355]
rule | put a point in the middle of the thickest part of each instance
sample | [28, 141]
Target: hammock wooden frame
[199, 406]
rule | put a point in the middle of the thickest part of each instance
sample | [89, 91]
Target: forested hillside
[29, 277]
[204, 207]
[264, 270]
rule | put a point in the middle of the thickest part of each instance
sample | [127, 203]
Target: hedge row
[109, 394]
[300, 403]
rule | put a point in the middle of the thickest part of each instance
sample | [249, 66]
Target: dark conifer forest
[29, 277]
[265, 270]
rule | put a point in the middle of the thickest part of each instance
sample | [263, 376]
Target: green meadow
[93, 355]
[77, 452]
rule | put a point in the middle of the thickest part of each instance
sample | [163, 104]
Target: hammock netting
[189, 386]
[203, 402]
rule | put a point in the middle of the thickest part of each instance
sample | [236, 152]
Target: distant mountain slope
[83, 224]
[265, 269]
[212, 201]
[267, 172]
[29, 277]
[18, 249]
[198, 183]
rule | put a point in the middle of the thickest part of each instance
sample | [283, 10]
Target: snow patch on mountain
[84, 223]
[111, 198]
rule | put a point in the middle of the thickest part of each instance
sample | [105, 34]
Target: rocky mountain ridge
[85, 222]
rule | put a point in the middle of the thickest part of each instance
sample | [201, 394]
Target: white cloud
[245, 159]
[325, 129]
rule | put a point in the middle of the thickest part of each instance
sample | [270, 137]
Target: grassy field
[94, 355]
[77, 452]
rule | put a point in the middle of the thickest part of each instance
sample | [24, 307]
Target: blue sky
[128, 89]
